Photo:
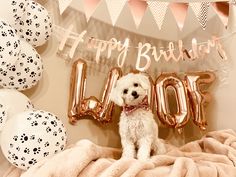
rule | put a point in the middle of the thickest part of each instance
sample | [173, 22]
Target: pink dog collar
[128, 109]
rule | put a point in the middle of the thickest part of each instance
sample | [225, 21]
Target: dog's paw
[128, 155]
[143, 157]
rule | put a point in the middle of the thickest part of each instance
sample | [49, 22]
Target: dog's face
[130, 89]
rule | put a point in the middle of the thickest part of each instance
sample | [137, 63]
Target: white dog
[137, 127]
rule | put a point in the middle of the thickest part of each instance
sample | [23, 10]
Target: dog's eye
[135, 84]
[125, 91]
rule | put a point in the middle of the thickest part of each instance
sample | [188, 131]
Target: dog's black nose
[135, 94]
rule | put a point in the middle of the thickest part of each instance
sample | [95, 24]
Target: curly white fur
[138, 130]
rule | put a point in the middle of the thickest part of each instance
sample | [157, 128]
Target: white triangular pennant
[63, 5]
[115, 7]
[89, 7]
[200, 9]
[158, 10]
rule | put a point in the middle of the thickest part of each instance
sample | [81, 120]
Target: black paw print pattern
[36, 28]
[29, 105]
[3, 116]
[38, 116]
[40, 140]
[18, 148]
[15, 138]
[32, 137]
[24, 138]
[55, 133]
[34, 123]
[26, 72]
[46, 144]
[48, 129]
[54, 123]
[37, 150]
[2, 48]
[45, 154]
[9, 45]
[14, 157]
[17, 8]
[32, 161]
[26, 150]
[46, 136]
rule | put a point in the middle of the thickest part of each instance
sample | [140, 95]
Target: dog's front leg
[144, 148]
[128, 148]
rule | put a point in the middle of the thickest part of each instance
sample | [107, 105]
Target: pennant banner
[158, 10]
[201, 11]
[63, 4]
[179, 11]
[90, 7]
[222, 10]
[138, 9]
[115, 7]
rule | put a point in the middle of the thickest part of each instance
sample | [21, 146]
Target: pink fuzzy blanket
[212, 156]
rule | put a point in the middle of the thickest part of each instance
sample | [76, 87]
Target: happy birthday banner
[158, 10]
[146, 52]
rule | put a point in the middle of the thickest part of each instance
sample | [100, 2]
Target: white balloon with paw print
[35, 26]
[14, 102]
[26, 72]
[12, 10]
[9, 45]
[32, 136]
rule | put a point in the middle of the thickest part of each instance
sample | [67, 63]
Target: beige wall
[52, 92]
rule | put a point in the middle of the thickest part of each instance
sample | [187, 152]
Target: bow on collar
[128, 109]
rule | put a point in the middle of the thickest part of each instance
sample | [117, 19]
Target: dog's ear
[144, 81]
[116, 97]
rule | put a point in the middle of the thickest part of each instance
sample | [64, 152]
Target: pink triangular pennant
[158, 10]
[222, 10]
[138, 9]
[179, 10]
[89, 7]
[115, 7]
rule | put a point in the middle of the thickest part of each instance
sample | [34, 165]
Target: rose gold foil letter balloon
[151, 94]
[179, 119]
[198, 98]
[79, 105]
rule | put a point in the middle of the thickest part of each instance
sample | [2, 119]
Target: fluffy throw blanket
[212, 156]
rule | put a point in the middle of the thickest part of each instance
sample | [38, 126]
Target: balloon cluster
[28, 135]
[24, 24]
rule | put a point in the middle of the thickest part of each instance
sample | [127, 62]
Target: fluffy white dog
[137, 127]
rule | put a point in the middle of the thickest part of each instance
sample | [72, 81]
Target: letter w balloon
[80, 106]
